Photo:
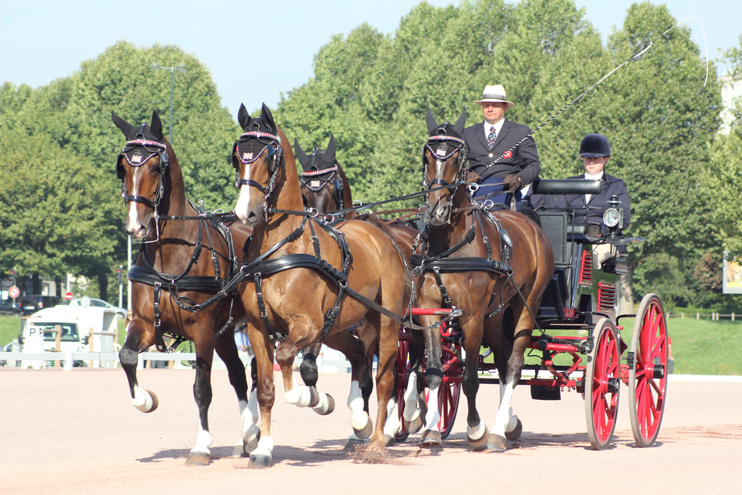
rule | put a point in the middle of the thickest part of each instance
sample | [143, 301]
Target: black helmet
[595, 144]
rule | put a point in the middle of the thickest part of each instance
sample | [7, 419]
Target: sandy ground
[76, 432]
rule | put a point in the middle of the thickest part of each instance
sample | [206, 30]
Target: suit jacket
[612, 186]
[523, 159]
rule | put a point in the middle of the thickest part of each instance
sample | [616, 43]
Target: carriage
[579, 347]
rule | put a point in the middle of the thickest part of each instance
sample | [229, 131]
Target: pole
[172, 87]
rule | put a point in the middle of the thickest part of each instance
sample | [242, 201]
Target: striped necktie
[491, 137]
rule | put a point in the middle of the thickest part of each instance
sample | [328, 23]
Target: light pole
[181, 67]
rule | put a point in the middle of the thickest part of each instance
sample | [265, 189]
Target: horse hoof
[155, 401]
[478, 444]
[414, 426]
[430, 439]
[330, 407]
[495, 443]
[366, 431]
[250, 445]
[197, 459]
[515, 434]
[258, 461]
[353, 444]
[389, 440]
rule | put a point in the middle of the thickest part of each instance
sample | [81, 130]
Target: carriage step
[541, 392]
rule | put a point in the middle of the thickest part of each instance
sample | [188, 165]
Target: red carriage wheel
[648, 375]
[403, 374]
[602, 385]
[449, 392]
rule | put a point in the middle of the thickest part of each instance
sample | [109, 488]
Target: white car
[97, 303]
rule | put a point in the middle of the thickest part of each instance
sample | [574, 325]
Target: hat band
[494, 97]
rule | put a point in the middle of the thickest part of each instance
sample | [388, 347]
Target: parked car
[8, 309]
[97, 303]
[34, 303]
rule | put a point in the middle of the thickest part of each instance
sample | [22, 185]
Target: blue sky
[254, 50]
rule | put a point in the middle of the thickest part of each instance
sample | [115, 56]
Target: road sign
[68, 296]
[14, 292]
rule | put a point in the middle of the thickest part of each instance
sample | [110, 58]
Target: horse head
[444, 158]
[143, 168]
[321, 183]
[257, 157]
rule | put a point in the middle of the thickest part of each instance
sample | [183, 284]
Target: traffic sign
[68, 296]
[14, 292]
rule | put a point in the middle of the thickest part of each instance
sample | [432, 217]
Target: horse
[171, 277]
[325, 188]
[320, 282]
[493, 266]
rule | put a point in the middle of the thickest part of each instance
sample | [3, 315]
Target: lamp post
[181, 67]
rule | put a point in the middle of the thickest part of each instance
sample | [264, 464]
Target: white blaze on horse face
[243, 201]
[358, 417]
[133, 224]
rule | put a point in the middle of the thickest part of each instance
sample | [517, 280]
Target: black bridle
[458, 145]
[274, 156]
[310, 179]
[135, 161]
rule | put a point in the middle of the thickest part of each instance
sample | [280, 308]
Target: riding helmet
[595, 144]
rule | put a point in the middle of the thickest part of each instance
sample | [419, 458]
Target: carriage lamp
[613, 215]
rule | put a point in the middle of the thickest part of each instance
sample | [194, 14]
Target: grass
[699, 347]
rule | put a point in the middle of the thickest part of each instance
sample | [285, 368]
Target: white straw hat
[495, 93]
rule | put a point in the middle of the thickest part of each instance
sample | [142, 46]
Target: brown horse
[325, 188]
[467, 261]
[300, 270]
[169, 276]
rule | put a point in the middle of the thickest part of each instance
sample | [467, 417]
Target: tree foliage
[371, 92]
[59, 147]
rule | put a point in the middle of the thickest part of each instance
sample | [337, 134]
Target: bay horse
[488, 265]
[184, 260]
[310, 282]
[325, 188]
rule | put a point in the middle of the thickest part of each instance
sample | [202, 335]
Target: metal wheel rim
[403, 373]
[647, 395]
[601, 405]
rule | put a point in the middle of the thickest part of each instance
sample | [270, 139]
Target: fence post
[732, 316]
[682, 315]
[698, 316]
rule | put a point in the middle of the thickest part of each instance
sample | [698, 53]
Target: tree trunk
[103, 284]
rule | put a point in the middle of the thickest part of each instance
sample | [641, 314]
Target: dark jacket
[612, 186]
[523, 159]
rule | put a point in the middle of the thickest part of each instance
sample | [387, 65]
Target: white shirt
[591, 177]
[497, 126]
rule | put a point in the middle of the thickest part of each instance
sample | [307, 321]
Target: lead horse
[309, 282]
[493, 266]
[185, 259]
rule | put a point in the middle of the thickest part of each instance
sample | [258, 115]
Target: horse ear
[330, 151]
[125, 127]
[242, 116]
[459, 125]
[267, 117]
[156, 126]
[300, 154]
[430, 120]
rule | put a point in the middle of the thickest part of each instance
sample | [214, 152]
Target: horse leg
[308, 368]
[263, 394]
[431, 435]
[413, 419]
[355, 351]
[476, 431]
[507, 425]
[136, 341]
[367, 334]
[226, 348]
[202, 392]
[385, 374]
